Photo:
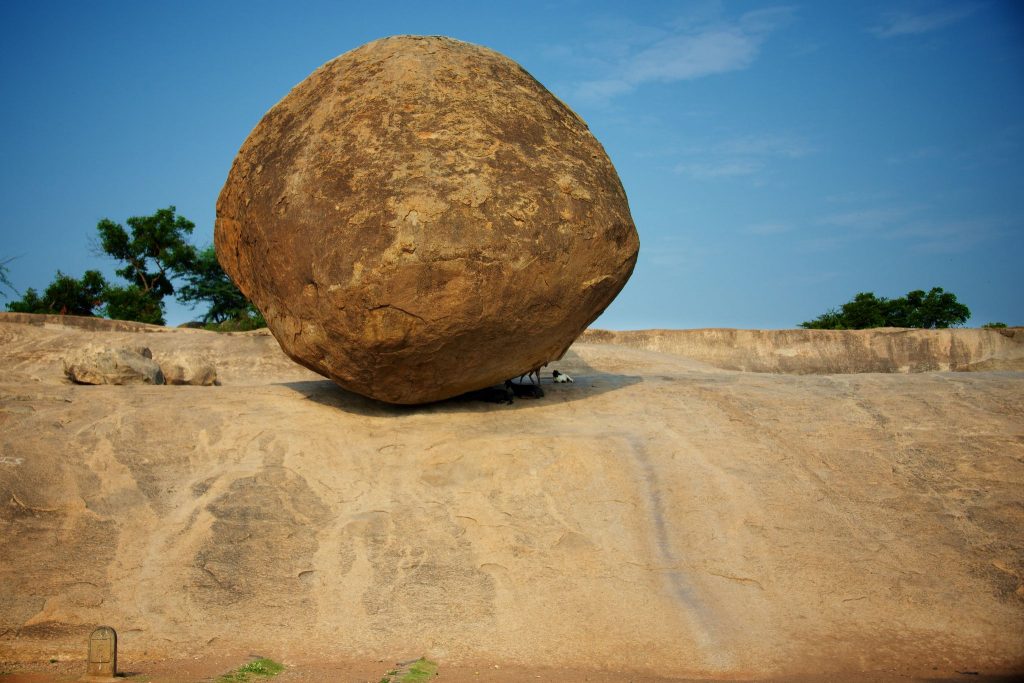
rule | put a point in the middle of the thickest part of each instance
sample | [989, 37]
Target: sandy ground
[207, 669]
[659, 516]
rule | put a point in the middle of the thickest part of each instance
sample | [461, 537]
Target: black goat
[533, 373]
[524, 390]
[492, 395]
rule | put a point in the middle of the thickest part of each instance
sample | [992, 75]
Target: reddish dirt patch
[208, 669]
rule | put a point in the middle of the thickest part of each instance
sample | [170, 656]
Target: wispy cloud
[766, 229]
[893, 24]
[684, 57]
[724, 168]
[920, 228]
[870, 219]
[680, 250]
[919, 154]
[952, 236]
[767, 145]
[858, 197]
[687, 50]
[744, 155]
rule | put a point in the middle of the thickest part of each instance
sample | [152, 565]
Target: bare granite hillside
[661, 515]
[820, 352]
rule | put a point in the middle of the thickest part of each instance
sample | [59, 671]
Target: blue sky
[778, 157]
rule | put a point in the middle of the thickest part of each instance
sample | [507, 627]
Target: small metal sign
[103, 652]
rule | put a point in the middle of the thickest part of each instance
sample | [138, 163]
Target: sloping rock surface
[420, 218]
[658, 515]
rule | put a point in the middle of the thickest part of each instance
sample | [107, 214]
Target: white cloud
[868, 219]
[766, 229]
[680, 58]
[767, 145]
[768, 19]
[678, 251]
[952, 236]
[745, 155]
[856, 197]
[918, 154]
[905, 23]
[693, 49]
[602, 90]
[719, 169]
[920, 228]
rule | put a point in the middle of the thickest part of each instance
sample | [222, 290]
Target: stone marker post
[103, 653]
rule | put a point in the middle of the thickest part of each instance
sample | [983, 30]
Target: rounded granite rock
[420, 218]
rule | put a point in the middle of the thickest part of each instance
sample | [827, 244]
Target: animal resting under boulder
[420, 218]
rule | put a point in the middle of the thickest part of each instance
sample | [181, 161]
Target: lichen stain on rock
[262, 537]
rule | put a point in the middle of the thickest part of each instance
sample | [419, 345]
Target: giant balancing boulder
[420, 218]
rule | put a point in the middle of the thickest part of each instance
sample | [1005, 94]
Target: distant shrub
[935, 309]
[229, 310]
[66, 295]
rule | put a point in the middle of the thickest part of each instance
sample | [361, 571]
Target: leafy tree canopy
[207, 282]
[935, 309]
[153, 253]
[133, 303]
[66, 295]
[5, 282]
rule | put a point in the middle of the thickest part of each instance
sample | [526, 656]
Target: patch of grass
[257, 667]
[237, 324]
[420, 671]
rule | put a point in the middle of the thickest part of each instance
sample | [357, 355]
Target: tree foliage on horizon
[936, 308]
[154, 254]
[66, 295]
[5, 281]
[207, 282]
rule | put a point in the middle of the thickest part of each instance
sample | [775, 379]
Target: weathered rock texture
[187, 368]
[658, 516]
[113, 366]
[420, 218]
[820, 352]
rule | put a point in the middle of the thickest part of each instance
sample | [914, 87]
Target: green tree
[133, 303]
[206, 282]
[154, 253]
[5, 281]
[66, 295]
[935, 309]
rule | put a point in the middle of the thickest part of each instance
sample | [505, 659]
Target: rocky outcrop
[822, 352]
[187, 368]
[113, 366]
[420, 218]
[659, 518]
[92, 323]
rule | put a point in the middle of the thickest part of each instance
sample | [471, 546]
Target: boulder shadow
[588, 383]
